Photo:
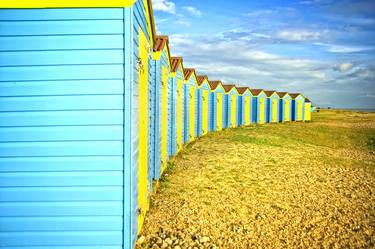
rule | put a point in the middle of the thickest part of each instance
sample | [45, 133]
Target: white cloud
[193, 11]
[344, 67]
[298, 35]
[164, 5]
[333, 48]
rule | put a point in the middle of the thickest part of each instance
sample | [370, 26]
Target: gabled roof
[282, 94]
[242, 90]
[214, 84]
[295, 95]
[256, 92]
[160, 42]
[307, 100]
[201, 79]
[188, 73]
[269, 93]
[175, 62]
[228, 88]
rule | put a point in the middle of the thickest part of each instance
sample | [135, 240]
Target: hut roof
[201, 79]
[269, 93]
[255, 92]
[228, 88]
[175, 62]
[294, 95]
[281, 94]
[160, 42]
[214, 84]
[189, 72]
[242, 90]
[307, 100]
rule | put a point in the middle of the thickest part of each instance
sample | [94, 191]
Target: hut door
[247, 110]
[219, 116]
[299, 110]
[164, 116]
[192, 114]
[233, 106]
[179, 113]
[274, 110]
[307, 112]
[261, 110]
[143, 185]
[287, 110]
[205, 112]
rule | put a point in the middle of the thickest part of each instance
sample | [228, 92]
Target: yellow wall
[299, 110]
[219, 116]
[192, 113]
[233, 111]
[261, 110]
[143, 131]
[274, 110]
[205, 112]
[307, 111]
[287, 110]
[247, 110]
[179, 113]
[164, 117]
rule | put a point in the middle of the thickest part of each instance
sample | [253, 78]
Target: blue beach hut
[231, 97]
[298, 103]
[244, 106]
[217, 104]
[74, 115]
[191, 102]
[259, 111]
[203, 105]
[285, 107]
[272, 106]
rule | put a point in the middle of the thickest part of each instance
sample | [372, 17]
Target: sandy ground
[305, 185]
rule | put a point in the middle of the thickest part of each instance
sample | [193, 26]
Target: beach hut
[272, 106]
[178, 77]
[298, 104]
[74, 119]
[259, 111]
[160, 113]
[285, 107]
[307, 109]
[203, 105]
[231, 96]
[191, 100]
[217, 104]
[244, 106]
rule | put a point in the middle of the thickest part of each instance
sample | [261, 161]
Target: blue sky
[324, 49]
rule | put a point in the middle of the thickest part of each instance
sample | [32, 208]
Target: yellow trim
[261, 110]
[274, 111]
[143, 184]
[307, 111]
[233, 105]
[219, 109]
[30, 4]
[287, 110]
[299, 110]
[205, 95]
[179, 113]
[192, 113]
[247, 104]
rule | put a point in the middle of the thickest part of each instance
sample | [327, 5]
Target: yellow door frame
[192, 114]
[219, 109]
[179, 113]
[287, 110]
[204, 111]
[247, 110]
[274, 110]
[233, 110]
[299, 110]
[143, 184]
[307, 111]
[164, 117]
[261, 111]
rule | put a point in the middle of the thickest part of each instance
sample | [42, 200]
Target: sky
[323, 49]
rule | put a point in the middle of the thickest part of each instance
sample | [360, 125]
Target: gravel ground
[306, 185]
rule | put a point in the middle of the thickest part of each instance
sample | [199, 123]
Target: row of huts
[92, 107]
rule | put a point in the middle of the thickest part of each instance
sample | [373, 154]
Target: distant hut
[272, 106]
[285, 110]
[217, 103]
[203, 105]
[298, 104]
[307, 109]
[244, 106]
[231, 96]
[191, 102]
[259, 105]
[178, 77]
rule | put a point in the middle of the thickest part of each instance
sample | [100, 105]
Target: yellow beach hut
[307, 116]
